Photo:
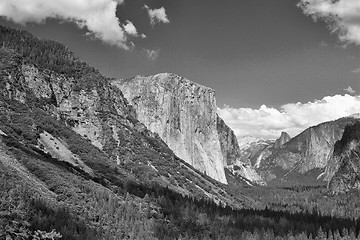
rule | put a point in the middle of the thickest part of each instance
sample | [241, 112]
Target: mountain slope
[98, 112]
[284, 138]
[303, 158]
[255, 150]
[343, 170]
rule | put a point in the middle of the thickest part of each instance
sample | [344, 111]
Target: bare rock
[183, 114]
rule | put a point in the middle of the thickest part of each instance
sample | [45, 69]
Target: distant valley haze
[280, 65]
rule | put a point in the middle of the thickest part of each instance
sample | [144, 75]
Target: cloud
[350, 90]
[342, 16]
[152, 54]
[96, 16]
[157, 15]
[356, 70]
[130, 29]
[267, 122]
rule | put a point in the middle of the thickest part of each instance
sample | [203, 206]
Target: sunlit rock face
[183, 114]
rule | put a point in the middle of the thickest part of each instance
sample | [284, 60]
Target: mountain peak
[284, 138]
[166, 80]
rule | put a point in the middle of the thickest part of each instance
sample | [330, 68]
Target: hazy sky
[252, 52]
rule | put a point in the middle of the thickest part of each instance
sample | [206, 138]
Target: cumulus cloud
[97, 16]
[130, 29]
[152, 54]
[343, 16]
[267, 122]
[350, 90]
[157, 15]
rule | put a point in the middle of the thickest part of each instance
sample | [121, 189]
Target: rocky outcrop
[343, 170]
[183, 113]
[229, 144]
[284, 138]
[234, 161]
[310, 150]
[247, 172]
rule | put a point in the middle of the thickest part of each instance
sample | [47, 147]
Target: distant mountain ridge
[307, 153]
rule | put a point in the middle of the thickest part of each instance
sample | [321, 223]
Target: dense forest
[174, 217]
[92, 208]
[45, 54]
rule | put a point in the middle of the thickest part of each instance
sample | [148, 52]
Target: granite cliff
[307, 153]
[284, 138]
[183, 113]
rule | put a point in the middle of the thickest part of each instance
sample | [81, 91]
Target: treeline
[24, 216]
[183, 217]
[158, 213]
[299, 199]
[46, 54]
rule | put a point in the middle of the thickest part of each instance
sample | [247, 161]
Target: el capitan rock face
[183, 113]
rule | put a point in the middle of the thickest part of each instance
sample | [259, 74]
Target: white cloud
[343, 16]
[97, 16]
[130, 29]
[268, 122]
[152, 54]
[350, 90]
[157, 15]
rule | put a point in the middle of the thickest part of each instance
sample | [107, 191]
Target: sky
[279, 65]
